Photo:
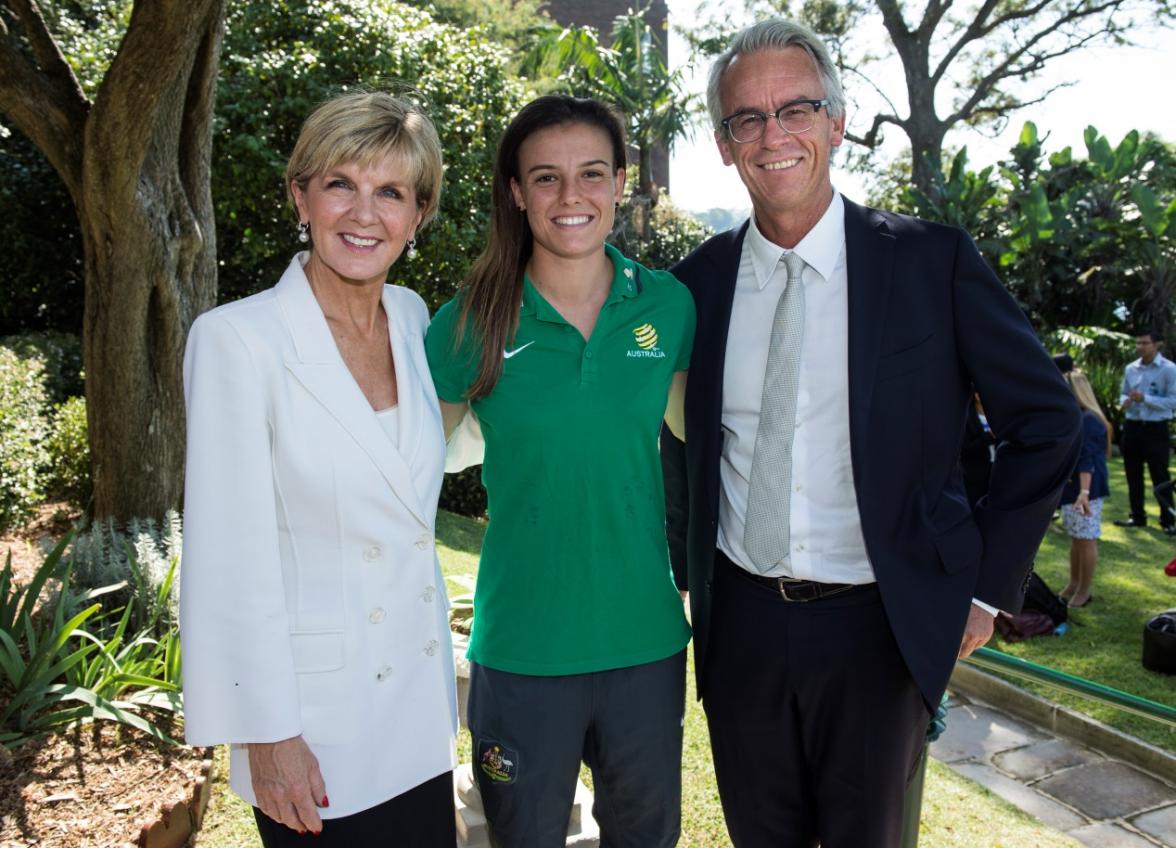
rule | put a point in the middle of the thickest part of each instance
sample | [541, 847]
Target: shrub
[673, 233]
[140, 560]
[60, 355]
[67, 448]
[464, 493]
[54, 673]
[22, 431]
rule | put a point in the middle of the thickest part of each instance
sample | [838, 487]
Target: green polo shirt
[575, 574]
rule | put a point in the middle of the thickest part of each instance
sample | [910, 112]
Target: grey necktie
[765, 530]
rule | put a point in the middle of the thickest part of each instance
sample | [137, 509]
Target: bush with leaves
[23, 427]
[67, 449]
[60, 355]
[54, 673]
[137, 564]
[673, 233]
[282, 59]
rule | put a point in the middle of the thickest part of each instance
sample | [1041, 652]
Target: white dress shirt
[825, 527]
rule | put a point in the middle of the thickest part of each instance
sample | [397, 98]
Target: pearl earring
[411, 253]
[303, 235]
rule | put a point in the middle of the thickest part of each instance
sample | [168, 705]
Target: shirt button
[423, 542]
[588, 354]
[372, 553]
[800, 547]
[428, 594]
[431, 647]
[797, 489]
[384, 673]
[376, 615]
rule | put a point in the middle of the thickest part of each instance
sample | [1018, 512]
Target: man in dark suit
[836, 569]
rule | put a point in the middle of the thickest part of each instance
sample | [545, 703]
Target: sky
[1115, 89]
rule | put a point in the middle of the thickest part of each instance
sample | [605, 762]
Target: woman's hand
[287, 783]
[1082, 503]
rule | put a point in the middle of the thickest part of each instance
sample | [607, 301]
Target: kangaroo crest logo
[646, 338]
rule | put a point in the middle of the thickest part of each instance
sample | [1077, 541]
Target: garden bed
[97, 784]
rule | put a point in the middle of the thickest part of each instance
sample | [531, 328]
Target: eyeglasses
[795, 117]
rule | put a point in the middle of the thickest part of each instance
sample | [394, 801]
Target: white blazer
[311, 598]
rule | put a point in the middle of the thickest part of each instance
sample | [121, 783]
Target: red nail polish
[326, 802]
[318, 833]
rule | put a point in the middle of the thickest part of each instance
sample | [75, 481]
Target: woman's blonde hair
[366, 127]
[1084, 394]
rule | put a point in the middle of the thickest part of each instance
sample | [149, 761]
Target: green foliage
[136, 565]
[23, 427]
[511, 23]
[67, 447]
[53, 673]
[673, 233]
[464, 494]
[1100, 354]
[280, 60]
[630, 73]
[1079, 241]
[60, 355]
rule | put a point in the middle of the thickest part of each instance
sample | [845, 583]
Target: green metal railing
[992, 660]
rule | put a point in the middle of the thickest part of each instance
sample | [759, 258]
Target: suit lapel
[869, 254]
[320, 369]
[714, 293]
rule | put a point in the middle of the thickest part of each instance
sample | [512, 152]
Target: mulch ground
[96, 785]
[92, 787]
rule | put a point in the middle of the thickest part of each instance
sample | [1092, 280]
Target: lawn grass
[1105, 640]
[956, 812]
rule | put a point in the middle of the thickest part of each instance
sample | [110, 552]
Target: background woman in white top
[313, 611]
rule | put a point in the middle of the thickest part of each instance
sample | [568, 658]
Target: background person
[836, 570]
[1082, 498]
[313, 612]
[1148, 398]
[571, 355]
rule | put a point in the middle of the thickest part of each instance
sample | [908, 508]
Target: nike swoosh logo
[507, 354]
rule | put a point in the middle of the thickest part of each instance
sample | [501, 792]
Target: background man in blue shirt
[1148, 398]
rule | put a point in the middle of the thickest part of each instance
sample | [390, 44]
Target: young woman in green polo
[571, 356]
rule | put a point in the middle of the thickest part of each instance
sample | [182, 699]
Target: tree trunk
[150, 270]
[150, 254]
[137, 163]
[645, 183]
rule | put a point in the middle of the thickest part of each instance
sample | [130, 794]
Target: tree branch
[1008, 69]
[41, 96]
[871, 138]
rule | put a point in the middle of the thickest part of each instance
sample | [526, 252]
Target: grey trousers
[530, 734]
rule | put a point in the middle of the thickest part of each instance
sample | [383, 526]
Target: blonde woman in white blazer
[313, 611]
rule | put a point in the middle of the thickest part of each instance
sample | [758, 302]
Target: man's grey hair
[775, 34]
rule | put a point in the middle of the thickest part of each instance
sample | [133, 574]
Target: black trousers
[1146, 442]
[530, 734]
[816, 725]
[422, 817]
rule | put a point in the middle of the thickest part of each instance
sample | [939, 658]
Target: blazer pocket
[960, 547]
[318, 651]
[904, 361]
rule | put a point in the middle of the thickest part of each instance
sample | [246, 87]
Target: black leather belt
[790, 589]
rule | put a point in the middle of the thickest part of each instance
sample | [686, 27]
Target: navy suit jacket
[928, 323]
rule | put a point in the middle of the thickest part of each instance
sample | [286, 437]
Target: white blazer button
[431, 647]
[376, 615]
[429, 594]
[383, 674]
[372, 553]
[423, 541]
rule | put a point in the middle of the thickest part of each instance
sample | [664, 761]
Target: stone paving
[1095, 799]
